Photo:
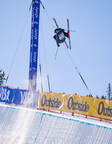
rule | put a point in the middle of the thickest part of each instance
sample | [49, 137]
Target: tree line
[109, 93]
[2, 77]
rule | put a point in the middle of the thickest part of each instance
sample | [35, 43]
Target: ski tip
[54, 20]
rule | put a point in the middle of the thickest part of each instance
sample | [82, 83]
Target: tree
[2, 77]
[103, 97]
[109, 91]
[97, 96]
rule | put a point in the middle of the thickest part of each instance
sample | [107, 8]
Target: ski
[66, 45]
[56, 53]
[55, 22]
[69, 33]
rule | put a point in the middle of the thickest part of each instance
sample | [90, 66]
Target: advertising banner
[85, 105]
[52, 101]
[19, 97]
[103, 108]
[34, 45]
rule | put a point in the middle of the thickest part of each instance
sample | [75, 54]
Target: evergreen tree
[109, 91]
[97, 96]
[103, 97]
[2, 77]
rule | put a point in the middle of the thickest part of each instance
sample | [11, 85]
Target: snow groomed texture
[27, 126]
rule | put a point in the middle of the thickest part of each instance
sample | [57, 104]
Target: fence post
[72, 113]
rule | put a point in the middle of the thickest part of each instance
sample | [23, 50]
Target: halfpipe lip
[61, 116]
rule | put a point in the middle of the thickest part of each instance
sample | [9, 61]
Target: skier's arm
[54, 37]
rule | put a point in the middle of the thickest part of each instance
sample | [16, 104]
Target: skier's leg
[57, 42]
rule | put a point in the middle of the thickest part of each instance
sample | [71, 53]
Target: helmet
[56, 30]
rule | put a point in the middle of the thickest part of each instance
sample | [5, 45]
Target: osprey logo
[34, 57]
[35, 34]
[36, 12]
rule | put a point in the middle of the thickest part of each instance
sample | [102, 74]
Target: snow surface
[20, 125]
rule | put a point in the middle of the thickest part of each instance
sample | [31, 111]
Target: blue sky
[91, 45]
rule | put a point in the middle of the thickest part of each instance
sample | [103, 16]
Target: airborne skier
[60, 35]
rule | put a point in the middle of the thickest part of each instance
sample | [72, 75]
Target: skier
[60, 35]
